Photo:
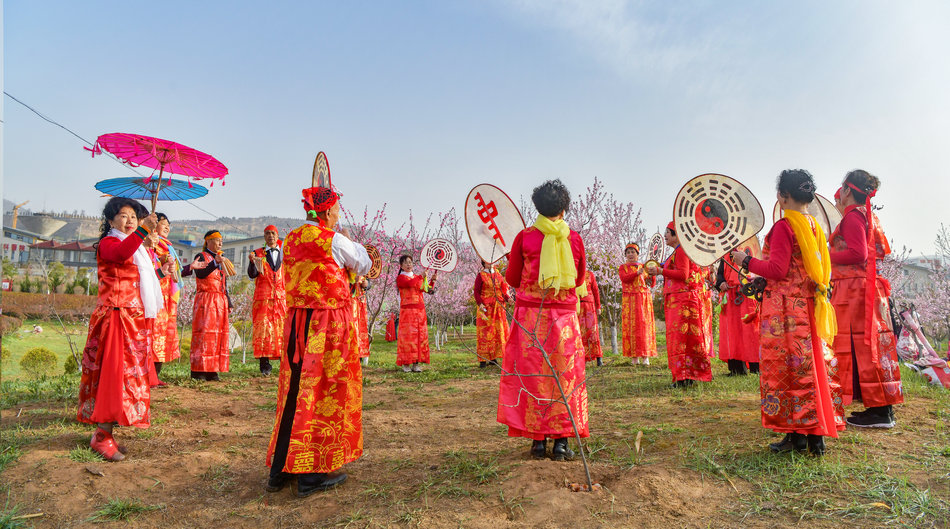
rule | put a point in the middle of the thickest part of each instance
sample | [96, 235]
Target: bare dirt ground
[435, 457]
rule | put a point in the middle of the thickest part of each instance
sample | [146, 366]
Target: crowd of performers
[816, 349]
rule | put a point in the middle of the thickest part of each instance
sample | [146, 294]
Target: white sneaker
[364, 361]
[646, 361]
[417, 368]
[406, 368]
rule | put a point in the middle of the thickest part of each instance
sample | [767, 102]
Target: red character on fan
[738, 322]
[319, 424]
[589, 307]
[270, 303]
[543, 363]
[113, 389]
[868, 369]
[210, 329]
[637, 320]
[491, 322]
[412, 332]
[687, 340]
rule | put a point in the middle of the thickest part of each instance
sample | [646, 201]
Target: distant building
[919, 273]
[76, 254]
[236, 250]
[16, 244]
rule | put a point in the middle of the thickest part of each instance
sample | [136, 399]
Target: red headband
[632, 245]
[272, 228]
[319, 199]
[870, 194]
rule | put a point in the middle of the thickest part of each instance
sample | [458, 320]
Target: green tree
[56, 276]
[39, 362]
[9, 269]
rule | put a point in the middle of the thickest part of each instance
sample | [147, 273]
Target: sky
[415, 102]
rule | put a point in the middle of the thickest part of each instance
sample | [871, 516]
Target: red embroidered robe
[636, 320]
[687, 339]
[269, 308]
[491, 324]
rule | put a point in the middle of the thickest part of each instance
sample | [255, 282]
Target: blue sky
[415, 102]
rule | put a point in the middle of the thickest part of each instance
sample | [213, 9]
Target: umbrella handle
[158, 188]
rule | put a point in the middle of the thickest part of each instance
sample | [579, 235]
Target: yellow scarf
[818, 266]
[557, 268]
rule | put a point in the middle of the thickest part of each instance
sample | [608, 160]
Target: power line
[112, 156]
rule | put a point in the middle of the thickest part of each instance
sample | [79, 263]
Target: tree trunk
[613, 339]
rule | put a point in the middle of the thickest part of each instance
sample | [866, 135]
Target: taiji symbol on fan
[711, 216]
[439, 254]
[486, 214]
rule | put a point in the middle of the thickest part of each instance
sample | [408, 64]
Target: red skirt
[687, 340]
[796, 370]
[268, 316]
[210, 333]
[738, 339]
[412, 341]
[531, 405]
[319, 422]
[590, 332]
[637, 325]
[880, 381]
[491, 332]
[114, 383]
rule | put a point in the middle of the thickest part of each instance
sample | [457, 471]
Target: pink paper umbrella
[166, 156]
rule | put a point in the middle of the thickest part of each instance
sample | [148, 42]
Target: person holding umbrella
[113, 389]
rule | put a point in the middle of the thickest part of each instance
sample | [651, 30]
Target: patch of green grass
[806, 487]
[477, 468]
[83, 454]
[221, 477]
[10, 517]
[121, 510]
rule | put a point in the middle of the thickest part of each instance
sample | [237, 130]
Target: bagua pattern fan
[821, 208]
[439, 254]
[713, 214]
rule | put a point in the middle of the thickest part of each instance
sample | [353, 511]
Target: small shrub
[69, 366]
[9, 324]
[26, 285]
[39, 362]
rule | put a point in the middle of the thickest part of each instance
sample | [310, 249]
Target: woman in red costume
[165, 327]
[636, 319]
[358, 291]
[738, 322]
[687, 340]
[491, 322]
[798, 323]
[210, 329]
[412, 334]
[269, 309]
[114, 389]
[544, 358]
[868, 368]
[319, 424]
[589, 307]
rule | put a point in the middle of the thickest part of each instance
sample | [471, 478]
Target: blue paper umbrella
[144, 189]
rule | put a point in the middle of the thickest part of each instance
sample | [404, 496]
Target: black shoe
[494, 363]
[600, 361]
[198, 375]
[816, 445]
[307, 484]
[792, 441]
[265, 367]
[872, 420]
[539, 449]
[278, 481]
[560, 451]
[685, 383]
[482, 365]
[754, 368]
[212, 377]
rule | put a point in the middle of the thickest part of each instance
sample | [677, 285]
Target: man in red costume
[270, 303]
[687, 342]
[491, 322]
[319, 425]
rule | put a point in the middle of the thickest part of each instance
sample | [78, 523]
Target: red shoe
[159, 384]
[103, 444]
